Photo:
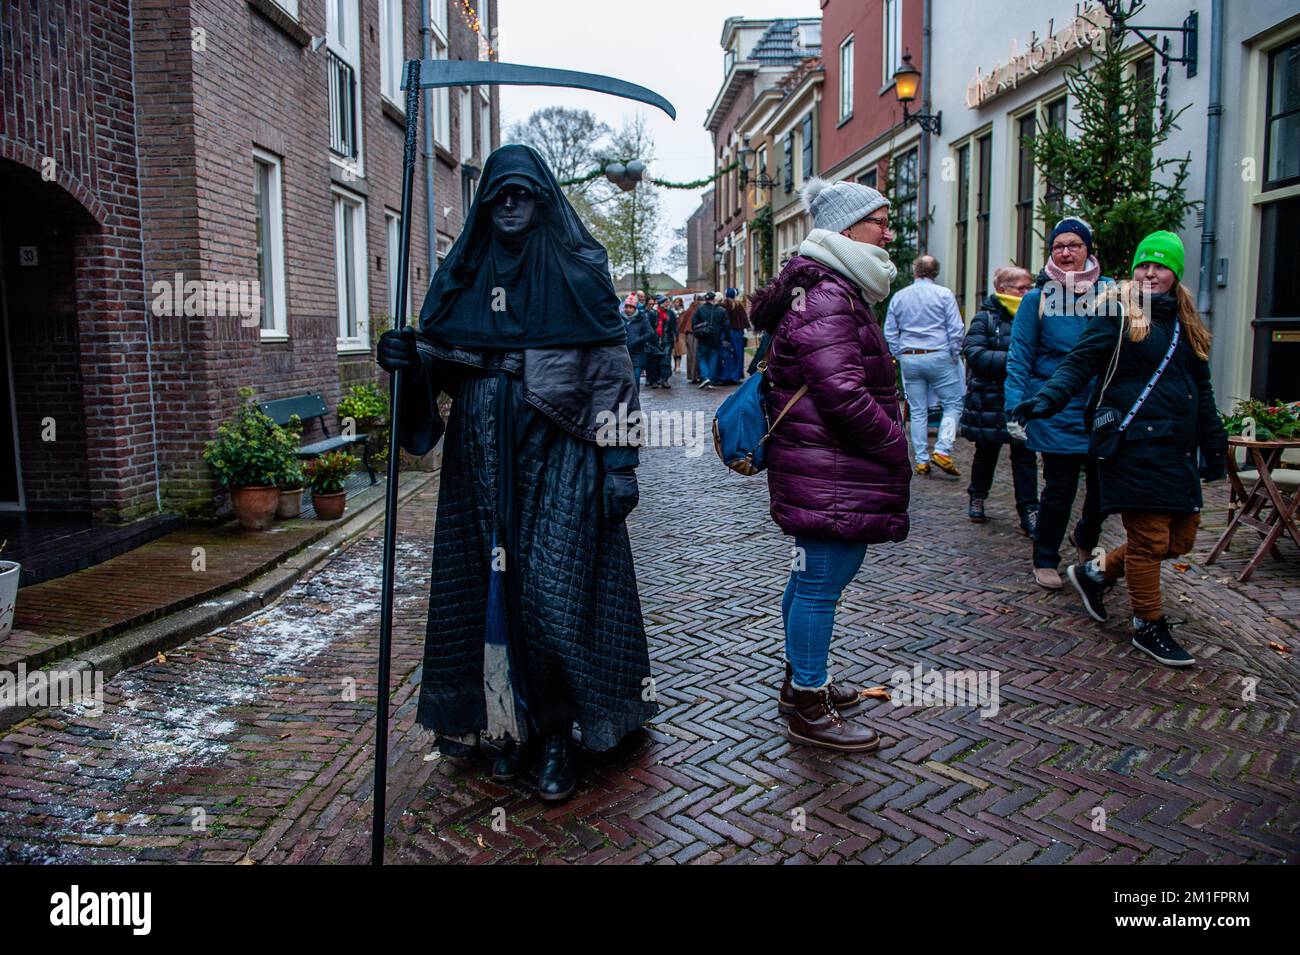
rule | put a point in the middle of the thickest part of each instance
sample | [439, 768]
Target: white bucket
[8, 595]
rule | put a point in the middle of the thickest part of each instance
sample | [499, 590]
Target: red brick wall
[729, 214]
[254, 85]
[66, 74]
[875, 109]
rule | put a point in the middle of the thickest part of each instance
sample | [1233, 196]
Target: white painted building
[996, 76]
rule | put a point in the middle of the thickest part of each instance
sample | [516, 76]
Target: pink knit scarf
[1080, 282]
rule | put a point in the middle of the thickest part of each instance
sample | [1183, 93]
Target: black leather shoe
[558, 777]
[511, 761]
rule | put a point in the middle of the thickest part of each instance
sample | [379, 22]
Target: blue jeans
[707, 355]
[927, 379]
[808, 605]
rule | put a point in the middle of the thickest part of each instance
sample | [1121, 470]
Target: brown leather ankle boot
[816, 722]
[845, 699]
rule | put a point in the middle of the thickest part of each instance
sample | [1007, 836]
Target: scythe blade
[435, 73]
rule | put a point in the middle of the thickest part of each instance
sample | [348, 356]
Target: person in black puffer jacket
[983, 418]
[1152, 480]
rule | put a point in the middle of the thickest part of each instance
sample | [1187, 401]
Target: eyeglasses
[882, 221]
[1068, 247]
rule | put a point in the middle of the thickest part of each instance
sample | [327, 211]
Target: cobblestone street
[254, 743]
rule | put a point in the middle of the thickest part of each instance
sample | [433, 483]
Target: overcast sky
[670, 46]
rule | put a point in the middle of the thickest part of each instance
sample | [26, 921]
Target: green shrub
[364, 403]
[250, 450]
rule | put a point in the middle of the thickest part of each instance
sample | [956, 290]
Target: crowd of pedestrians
[1105, 383]
[1086, 380]
[704, 342]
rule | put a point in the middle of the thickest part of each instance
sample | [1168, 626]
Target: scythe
[427, 74]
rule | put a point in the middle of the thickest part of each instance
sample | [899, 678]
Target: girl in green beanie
[1149, 350]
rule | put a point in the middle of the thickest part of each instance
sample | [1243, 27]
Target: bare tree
[570, 141]
[629, 223]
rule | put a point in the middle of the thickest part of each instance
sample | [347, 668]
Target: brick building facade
[245, 145]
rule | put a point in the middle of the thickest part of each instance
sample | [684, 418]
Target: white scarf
[867, 266]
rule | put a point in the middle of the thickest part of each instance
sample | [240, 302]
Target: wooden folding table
[1268, 508]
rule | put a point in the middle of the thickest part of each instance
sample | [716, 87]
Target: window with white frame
[392, 49]
[393, 234]
[268, 212]
[288, 6]
[441, 95]
[484, 129]
[441, 99]
[350, 271]
[846, 78]
[343, 55]
[464, 124]
[893, 34]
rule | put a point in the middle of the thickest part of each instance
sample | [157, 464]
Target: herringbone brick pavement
[254, 743]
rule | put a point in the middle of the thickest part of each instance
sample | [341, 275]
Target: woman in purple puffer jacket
[838, 468]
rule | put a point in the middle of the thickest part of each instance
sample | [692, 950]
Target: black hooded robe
[534, 617]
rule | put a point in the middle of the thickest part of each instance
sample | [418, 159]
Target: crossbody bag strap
[1150, 386]
[803, 390]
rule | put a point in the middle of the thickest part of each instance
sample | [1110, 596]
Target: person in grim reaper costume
[534, 618]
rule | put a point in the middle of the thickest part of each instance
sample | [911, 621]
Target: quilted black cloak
[521, 484]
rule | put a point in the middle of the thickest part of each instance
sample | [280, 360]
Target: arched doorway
[42, 420]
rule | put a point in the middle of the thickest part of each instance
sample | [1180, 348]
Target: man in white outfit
[924, 330]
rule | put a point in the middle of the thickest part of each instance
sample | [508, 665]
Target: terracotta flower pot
[290, 503]
[329, 507]
[255, 506]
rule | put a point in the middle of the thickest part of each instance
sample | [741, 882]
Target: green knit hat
[1162, 248]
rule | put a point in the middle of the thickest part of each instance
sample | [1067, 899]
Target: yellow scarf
[1009, 302]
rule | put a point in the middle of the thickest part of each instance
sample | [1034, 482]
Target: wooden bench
[310, 406]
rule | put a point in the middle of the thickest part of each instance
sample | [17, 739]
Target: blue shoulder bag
[741, 427]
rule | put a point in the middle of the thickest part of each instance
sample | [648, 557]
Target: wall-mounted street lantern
[1121, 11]
[907, 79]
[746, 154]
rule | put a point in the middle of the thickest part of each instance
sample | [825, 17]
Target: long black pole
[390, 491]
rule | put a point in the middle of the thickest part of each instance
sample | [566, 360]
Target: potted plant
[291, 480]
[327, 475]
[9, 571]
[248, 457]
[1278, 421]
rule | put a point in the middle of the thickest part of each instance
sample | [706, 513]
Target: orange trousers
[1151, 539]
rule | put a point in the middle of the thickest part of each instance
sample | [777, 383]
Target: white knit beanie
[836, 206]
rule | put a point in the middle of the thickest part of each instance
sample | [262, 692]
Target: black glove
[396, 350]
[621, 494]
[1033, 408]
[1215, 468]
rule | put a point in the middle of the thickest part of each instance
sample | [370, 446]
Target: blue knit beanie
[1077, 226]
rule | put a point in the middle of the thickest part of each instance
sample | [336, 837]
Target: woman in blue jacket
[1048, 324]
